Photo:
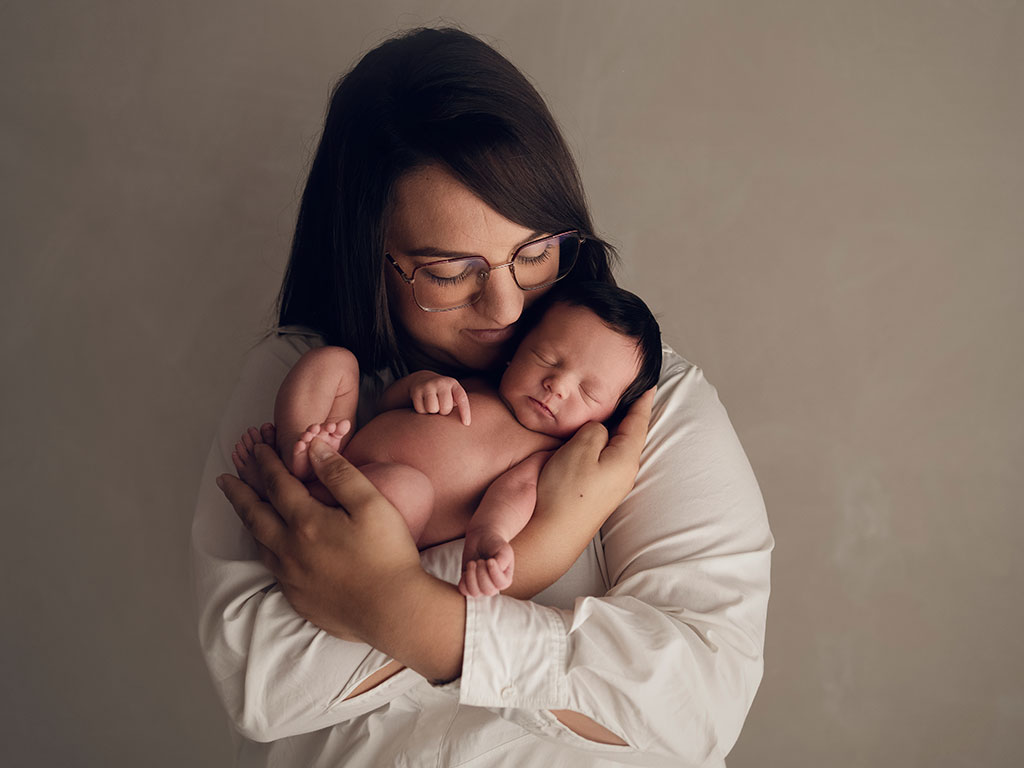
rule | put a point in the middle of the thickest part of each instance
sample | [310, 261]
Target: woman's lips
[492, 336]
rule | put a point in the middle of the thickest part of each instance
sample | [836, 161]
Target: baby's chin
[561, 431]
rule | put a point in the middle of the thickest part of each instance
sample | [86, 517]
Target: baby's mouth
[543, 408]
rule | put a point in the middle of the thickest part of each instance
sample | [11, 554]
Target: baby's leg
[318, 396]
[409, 491]
[487, 558]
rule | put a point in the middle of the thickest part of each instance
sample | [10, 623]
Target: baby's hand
[432, 393]
[487, 564]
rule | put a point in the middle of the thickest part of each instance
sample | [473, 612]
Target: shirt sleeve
[276, 674]
[671, 656]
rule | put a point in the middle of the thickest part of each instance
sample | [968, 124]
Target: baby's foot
[245, 461]
[330, 432]
[488, 564]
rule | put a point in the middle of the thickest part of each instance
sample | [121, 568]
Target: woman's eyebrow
[433, 252]
[430, 252]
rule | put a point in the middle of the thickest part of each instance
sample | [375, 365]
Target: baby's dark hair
[624, 313]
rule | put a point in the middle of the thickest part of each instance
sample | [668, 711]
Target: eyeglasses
[441, 286]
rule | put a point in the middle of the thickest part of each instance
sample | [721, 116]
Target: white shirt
[656, 632]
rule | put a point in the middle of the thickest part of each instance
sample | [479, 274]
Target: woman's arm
[356, 575]
[276, 674]
[670, 658]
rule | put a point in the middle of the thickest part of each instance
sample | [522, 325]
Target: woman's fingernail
[319, 450]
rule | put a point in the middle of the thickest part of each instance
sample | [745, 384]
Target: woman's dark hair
[428, 96]
[625, 313]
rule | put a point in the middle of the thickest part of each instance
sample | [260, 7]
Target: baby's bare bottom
[409, 491]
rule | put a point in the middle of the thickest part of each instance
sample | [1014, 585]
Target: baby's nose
[556, 385]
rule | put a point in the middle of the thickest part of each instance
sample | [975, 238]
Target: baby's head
[593, 352]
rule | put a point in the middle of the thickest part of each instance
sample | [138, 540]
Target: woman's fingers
[269, 559]
[631, 435]
[258, 517]
[347, 484]
[284, 491]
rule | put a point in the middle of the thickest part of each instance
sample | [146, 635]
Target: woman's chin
[483, 357]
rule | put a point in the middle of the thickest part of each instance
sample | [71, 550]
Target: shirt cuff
[514, 655]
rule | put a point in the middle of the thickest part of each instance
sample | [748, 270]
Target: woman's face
[436, 217]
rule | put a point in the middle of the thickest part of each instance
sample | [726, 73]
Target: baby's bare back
[460, 461]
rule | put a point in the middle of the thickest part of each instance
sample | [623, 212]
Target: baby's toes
[269, 433]
[254, 435]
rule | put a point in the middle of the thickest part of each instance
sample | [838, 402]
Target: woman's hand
[352, 570]
[332, 564]
[587, 478]
[593, 469]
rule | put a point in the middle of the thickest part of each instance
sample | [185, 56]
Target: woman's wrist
[422, 624]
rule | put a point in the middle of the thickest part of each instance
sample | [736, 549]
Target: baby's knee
[336, 360]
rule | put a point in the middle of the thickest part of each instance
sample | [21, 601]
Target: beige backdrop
[822, 201]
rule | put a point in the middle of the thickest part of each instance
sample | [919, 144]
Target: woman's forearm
[422, 626]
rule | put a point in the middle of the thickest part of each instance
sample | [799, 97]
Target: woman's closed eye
[446, 274]
[533, 257]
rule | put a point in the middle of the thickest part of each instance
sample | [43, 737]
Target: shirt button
[508, 692]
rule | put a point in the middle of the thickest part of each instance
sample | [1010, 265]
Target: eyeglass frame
[409, 279]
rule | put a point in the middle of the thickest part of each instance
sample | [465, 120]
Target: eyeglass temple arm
[398, 269]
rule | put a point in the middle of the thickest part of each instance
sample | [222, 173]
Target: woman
[330, 639]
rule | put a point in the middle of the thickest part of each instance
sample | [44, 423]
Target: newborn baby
[464, 459]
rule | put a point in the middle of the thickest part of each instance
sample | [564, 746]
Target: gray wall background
[822, 200]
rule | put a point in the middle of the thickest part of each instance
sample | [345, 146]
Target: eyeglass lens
[460, 282]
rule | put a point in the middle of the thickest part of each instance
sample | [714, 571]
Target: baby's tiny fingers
[472, 586]
[501, 579]
[461, 402]
[417, 402]
[431, 402]
[444, 402]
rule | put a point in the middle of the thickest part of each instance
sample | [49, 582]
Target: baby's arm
[318, 396]
[427, 392]
[487, 557]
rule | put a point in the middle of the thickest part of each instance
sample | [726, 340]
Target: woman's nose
[502, 301]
